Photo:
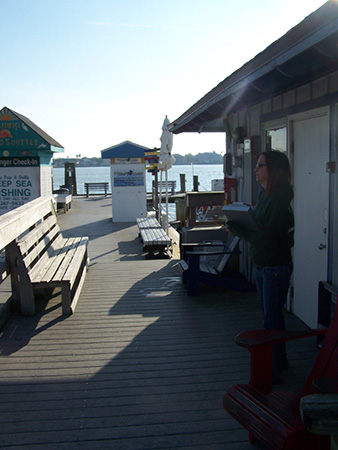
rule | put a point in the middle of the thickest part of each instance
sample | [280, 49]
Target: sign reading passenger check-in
[19, 183]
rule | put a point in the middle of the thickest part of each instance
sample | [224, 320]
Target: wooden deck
[139, 365]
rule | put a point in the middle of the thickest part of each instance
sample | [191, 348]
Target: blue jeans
[273, 285]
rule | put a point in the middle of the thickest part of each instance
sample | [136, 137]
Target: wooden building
[286, 98]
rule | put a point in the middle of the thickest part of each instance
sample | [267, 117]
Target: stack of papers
[241, 214]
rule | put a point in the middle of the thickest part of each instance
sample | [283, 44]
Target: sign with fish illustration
[16, 134]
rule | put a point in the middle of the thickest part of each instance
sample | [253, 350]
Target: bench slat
[68, 301]
[38, 259]
[56, 260]
[147, 222]
[71, 260]
[45, 268]
[39, 249]
[35, 235]
[66, 260]
[154, 236]
[14, 223]
[77, 257]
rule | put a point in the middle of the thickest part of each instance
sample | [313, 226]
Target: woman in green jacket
[270, 245]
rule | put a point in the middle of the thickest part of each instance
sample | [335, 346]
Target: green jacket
[271, 244]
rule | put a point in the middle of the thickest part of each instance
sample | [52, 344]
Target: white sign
[123, 178]
[127, 160]
[19, 181]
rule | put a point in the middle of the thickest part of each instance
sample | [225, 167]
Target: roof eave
[300, 39]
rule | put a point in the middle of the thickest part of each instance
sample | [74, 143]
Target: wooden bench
[273, 416]
[40, 258]
[63, 201]
[147, 222]
[171, 186]
[214, 271]
[155, 242]
[96, 187]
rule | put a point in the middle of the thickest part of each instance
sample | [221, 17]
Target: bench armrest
[188, 249]
[326, 385]
[256, 338]
[260, 345]
[209, 253]
[202, 244]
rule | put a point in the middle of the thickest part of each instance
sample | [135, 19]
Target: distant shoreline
[209, 158]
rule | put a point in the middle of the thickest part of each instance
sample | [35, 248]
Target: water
[205, 174]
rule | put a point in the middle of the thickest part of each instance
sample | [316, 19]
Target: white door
[311, 183]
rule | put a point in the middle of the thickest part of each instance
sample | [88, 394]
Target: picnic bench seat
[155, 242]
[273, 417]
[147, 222]
[40, 258]
[97, 187]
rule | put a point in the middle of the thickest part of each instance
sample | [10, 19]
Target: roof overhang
[23, 129]
[307, 52]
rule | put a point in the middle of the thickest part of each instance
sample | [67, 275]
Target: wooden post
[196, 183]
[70, 176]
[182, 182]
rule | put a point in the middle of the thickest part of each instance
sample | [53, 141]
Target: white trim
[310, 114]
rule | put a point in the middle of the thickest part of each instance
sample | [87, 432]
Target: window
[276, 139]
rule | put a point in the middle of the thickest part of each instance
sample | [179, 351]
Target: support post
[196, 183]
[182, 182]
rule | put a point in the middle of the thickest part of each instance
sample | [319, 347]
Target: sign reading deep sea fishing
[19, 183]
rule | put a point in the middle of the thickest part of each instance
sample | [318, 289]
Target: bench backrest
[171, 185]
[326, 364]
[16, 222]
[38, 241]
[98, 185]
[231, 246]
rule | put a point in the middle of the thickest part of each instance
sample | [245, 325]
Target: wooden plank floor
[139, 365]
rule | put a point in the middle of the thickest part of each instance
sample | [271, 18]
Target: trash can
[70, 188]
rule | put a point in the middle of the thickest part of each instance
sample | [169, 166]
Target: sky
[93, 74]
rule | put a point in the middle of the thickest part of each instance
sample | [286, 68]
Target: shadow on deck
[139, 365]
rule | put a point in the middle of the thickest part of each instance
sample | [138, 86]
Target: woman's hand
[228, 228]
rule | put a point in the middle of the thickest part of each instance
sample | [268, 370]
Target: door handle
[321, 246]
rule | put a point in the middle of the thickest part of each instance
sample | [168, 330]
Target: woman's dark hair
[279, 171]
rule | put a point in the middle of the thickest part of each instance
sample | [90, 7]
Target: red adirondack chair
[273, 417]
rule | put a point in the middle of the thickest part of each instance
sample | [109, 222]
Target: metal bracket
[331, 167]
